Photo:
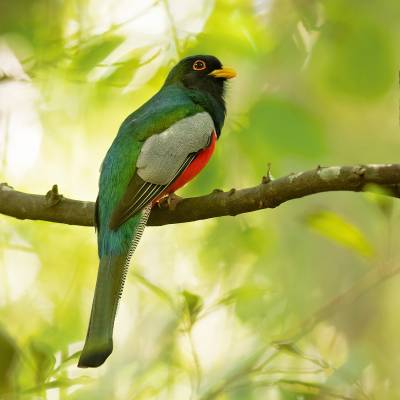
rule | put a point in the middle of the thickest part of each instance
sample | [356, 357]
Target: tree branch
[54, 207]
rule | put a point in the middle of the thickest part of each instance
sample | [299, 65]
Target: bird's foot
[170, 201]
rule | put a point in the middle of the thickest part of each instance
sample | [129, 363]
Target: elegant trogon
[159, 147]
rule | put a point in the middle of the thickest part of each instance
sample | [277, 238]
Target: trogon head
[201, 72]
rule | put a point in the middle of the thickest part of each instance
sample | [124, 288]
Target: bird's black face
[201, 72]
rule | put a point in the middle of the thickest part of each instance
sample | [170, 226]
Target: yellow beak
[225, 72]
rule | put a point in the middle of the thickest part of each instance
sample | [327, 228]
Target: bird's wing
[162, 158]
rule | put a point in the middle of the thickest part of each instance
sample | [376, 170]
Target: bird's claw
[170, 201]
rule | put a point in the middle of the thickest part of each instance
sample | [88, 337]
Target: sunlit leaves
[381, 198]
[8, 361]
[95, 51]
[341, 231]
[60, 383]
[250, 301]
[331, 344]
[44, 360]
[158, 291]
[193, 304]
[221, 254]
[311, 13]
[249, 36]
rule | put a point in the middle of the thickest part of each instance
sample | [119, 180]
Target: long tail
[110, 282]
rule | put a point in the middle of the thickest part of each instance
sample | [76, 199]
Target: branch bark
[54, 207]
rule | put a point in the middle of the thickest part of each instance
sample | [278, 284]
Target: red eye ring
[199, 65]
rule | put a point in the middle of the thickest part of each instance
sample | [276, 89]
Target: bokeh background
[206, 301]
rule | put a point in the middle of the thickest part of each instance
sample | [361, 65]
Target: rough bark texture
[54, 207]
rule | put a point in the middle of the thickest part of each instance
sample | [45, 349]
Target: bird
[159, 147]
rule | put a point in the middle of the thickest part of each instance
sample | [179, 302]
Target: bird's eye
[199, 65]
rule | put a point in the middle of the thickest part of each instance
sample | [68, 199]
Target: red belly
[193, 168]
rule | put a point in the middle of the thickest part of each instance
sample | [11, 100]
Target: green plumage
[176, 100]
[168, 106]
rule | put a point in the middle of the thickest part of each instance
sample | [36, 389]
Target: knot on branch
[6, 187]
[359, 171]
[53, 197]
[328, 174]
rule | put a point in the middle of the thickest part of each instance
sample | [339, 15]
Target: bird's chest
[194, 167]
[163, 154]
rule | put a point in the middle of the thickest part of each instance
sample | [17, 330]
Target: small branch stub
[268, 177]
[53, 197]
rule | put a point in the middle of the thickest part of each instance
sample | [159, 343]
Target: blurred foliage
[206, 301]
[339, 230]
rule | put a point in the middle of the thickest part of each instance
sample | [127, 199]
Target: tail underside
[99, 343]
[110, 282]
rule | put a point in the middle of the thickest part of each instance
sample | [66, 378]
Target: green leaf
[300, 388]
[258, 305]
[159, 292]
[336, 228]
[96, 51]
[43, 358]
[8, 359]
[381, 198]
[193, 303]
[60, 383]
[123, 74]
[70, 360]
[126, 68]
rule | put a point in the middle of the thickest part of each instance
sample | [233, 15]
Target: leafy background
[277, 304]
